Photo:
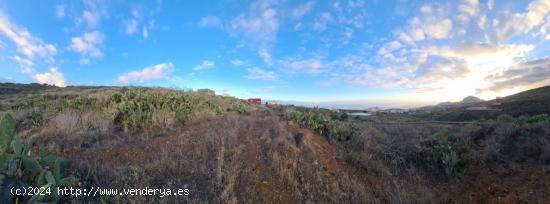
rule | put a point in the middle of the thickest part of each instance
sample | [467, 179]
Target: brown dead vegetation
[255, 159]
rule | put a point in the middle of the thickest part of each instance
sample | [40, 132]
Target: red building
[255, 100]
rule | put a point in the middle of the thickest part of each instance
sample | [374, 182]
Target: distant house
[208, 92]
[481, 108]
[478, 108]
[255, 100]
[395, 110]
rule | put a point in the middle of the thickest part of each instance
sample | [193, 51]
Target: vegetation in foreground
[226, 150]
[20, 171]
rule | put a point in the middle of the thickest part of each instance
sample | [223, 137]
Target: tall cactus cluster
[19, 169]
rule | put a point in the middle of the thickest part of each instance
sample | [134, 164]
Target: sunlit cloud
[151, 73]
[88, 45]
[524, 75]
[26, 43]
[54, 77]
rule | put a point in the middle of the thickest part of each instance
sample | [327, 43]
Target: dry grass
[254, 159]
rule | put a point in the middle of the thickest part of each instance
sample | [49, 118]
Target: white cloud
[482, 51]
[389, 47]
[350, 14]
[439, 30]
[140, 22]
[88, 45]
[32, 48]
[429, 24]
[310, 66]
[265, 56]
[521, 23]
[525, 74]
[60, 11]
[145, 32]
[238, 62]
[260, 74]
[210, 21]
[205, 64]
[150, 73]
[91, 18]
[466, 10]
[93, 13]
[131, 26]
[259, 26]
[52, 77]
[26, 65]
[379, 77]
[322, 20]
[347, 35]
[441, 69]
[544, 30]
[302, 10]
[26, 43]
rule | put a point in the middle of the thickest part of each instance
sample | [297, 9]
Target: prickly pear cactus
[7, 132]
[18, 169]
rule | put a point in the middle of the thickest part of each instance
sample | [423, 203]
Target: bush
[136, 108]
[321, 123]
[448, 153]
[33, 118]
[139, 108]
[505, 118]
[523, 120]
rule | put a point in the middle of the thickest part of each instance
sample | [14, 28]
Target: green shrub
[32, 119]
[321, 123]
[523, 120]
[137, 108]
[505, 118]
[239, 107]
[19, 169]
[448, 153]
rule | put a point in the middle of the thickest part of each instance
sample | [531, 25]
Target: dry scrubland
[228, 151]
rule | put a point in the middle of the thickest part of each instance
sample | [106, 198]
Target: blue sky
[346, 53]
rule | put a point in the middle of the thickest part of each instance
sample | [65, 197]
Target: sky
[353, 53]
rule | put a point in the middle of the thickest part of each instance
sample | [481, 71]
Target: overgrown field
[446, 155]
[130, 109]
[226, 150]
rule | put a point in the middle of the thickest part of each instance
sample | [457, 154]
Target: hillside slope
[526, 103]
[530, 102]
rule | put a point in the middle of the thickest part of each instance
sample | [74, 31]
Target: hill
[527, 103]
[530, 102]
[471, 99]
[13, 88]
[467, 101]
